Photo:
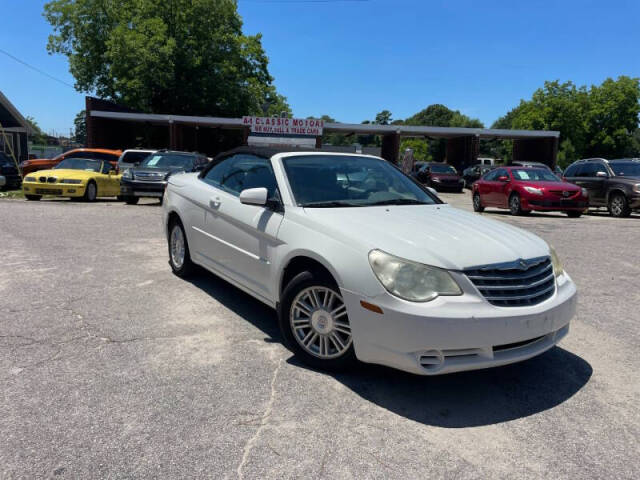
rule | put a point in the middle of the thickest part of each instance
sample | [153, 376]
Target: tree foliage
[599, 121]
[37, 136]
[80, 124]
[178, 56]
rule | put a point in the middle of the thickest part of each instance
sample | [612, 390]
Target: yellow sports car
[74, 177]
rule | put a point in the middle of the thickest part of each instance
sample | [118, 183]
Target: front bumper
[634, 201]
[55, 189]
[134, 188]
[448, 187]
[531, 202]
[452, 334]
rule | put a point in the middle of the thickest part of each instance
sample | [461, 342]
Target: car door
[241, 238]
[587, 177]
[501, 188]
[489, 187]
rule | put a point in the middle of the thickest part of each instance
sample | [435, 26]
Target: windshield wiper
[334, 203]
[399, 201]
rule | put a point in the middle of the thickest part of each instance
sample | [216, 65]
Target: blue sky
[351, 59]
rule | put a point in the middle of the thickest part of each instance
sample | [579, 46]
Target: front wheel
[314, 322]
[574, 214]
[477, 203]
[131, 200]
[179, 256]
[33, 198]
[91, 193]
[618, 206]
[515, 206]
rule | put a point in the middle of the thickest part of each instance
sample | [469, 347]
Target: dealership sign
[284, 126]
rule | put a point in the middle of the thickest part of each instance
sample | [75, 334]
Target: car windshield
[626, 169]
[540, 174]
[443, 169]
[134, 157]
[168, 160]
[80, 164]
[350, 181]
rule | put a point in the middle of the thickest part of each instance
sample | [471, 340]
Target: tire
[180, 259]
[33, 198]
[574, 214]
[515, 207]
[326, 332]
[477, 203]
[619, 206]
[131, 200]
[91, 192]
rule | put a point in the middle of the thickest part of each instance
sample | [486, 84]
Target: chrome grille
[515, 284]
[149, 176]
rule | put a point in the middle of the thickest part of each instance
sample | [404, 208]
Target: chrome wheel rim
[177, 247]
[319, 322]
[515, 204]
[616, 205]
[476, 201]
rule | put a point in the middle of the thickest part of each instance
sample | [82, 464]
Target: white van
[486, 161]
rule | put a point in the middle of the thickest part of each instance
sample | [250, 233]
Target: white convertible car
[362, 262]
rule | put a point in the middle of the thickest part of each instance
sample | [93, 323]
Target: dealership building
[112, 126]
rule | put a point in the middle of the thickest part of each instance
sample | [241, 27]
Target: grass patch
[11, 194]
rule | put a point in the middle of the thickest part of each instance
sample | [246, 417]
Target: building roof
[360, 128]
[11, 118]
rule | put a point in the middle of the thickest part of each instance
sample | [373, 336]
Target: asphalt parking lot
[113, 367]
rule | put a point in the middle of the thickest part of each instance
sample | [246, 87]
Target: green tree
[178, 56]
[597, 122]
[80, 123]
[383, 118]
[441, 116]
[37, 136]
[419, 146]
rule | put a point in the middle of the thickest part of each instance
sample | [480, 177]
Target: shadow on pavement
[468, 399]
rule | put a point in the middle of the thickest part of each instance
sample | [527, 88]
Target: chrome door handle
[214, 203]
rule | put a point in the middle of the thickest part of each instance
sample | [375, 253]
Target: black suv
[9, 171]
[614, 184]
[149, 178]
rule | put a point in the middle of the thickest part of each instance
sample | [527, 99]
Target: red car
[522, 189]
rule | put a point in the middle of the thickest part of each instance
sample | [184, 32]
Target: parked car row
[90, 174]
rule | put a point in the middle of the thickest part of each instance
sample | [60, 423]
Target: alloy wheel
[318, 319]
[617, 205]
[177, 247]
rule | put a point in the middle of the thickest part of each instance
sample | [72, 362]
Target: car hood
[550, 185]
[62, 173]
[437, 235]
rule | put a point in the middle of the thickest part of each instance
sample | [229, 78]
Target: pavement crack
[263, 422]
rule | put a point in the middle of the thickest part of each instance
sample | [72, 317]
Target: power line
[36, 69]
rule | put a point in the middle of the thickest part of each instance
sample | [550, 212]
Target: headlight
[409, 280]
[127, 174]
[636, 188]
[533, 190]
[585, 192]
[30, 179]
[555, 261]
[71, 181]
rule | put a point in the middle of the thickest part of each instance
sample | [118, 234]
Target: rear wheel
[574, 214]
[91, 192]
[314, 322]
[618, 205]
[33, 198]
[477, 203]
[179, 256]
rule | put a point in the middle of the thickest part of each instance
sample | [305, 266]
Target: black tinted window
[590, 169]
[248, 171]
[571, 171]
[214, 176]
[491, 176]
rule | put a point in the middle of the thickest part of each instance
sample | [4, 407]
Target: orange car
[29, 166]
